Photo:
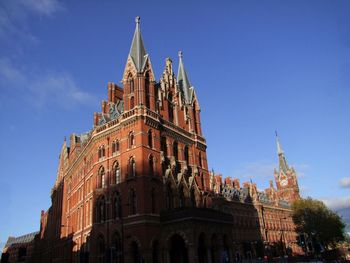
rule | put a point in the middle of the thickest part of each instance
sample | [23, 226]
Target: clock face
[284, 182]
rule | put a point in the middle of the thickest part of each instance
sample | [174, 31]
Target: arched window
[170, 108]
[132, 167]
[116, 249]
[200, 159]
[147, 90]
[101, 209]
[176, 150]
[101, 152]
[132, 202]
[101, 178]
[150, 139]
[193, 198]
[163, 145]
[116, 171]
[169, 197]
[195, 119]
[101, 249]
[181, 197]
[187, 155]
[151, 165]
[131, 83]
[117, 207]
[132, 102]
[115, 147]
[131, 139]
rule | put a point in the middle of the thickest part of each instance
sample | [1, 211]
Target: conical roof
[183, 82]
[137, 49]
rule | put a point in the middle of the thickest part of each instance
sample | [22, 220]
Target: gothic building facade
[136, 188]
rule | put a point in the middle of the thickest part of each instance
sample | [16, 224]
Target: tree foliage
[315, 219]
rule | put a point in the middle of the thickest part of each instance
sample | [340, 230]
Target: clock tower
[286, 178]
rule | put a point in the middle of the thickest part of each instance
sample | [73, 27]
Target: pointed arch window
[116, 172]
[115, 147]
[151, 165]
[117, 208]
[164, 145]
[132, 202]
[101, 209]
[176, 150]
[131, 83]
[101, 152]
[150, 139]
[132, 102]
[181, 197]
[131, 140]
[101, 249]
[170, 108]
[169, 197]
[101, 178]
[147, 91]
[195, 119]
[187, 155]
[132, 167]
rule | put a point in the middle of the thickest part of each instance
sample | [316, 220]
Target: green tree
[321, 224]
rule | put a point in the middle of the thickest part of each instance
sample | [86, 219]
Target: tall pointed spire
[183, 82]
[137, 49]
[283, 166]
[279, 148]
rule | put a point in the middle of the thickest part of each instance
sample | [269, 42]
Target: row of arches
[113, 208]
[175, 249]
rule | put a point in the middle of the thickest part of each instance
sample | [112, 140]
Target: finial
[137, 20]
[276, 133]
[65, 138]
[180, 54]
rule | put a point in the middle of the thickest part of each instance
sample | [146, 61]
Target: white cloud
[43, 88]
[342, 206]
[45, 7]
[254, 170]
[345, 182]
[337, 202]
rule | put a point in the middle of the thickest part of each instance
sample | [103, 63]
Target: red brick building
[136, 188]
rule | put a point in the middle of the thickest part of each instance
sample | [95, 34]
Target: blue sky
[257, 66]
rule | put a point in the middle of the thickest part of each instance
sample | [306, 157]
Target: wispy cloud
[254, 170]
[345, 182]
[15, 16]
[42, 88]
[266, 170]
[44, 7]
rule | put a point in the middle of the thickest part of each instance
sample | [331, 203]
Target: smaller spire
[183, 82]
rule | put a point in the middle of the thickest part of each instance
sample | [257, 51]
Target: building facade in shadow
[136, 188]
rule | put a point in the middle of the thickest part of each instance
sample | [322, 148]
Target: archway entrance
[178, 250]
[202, 250]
